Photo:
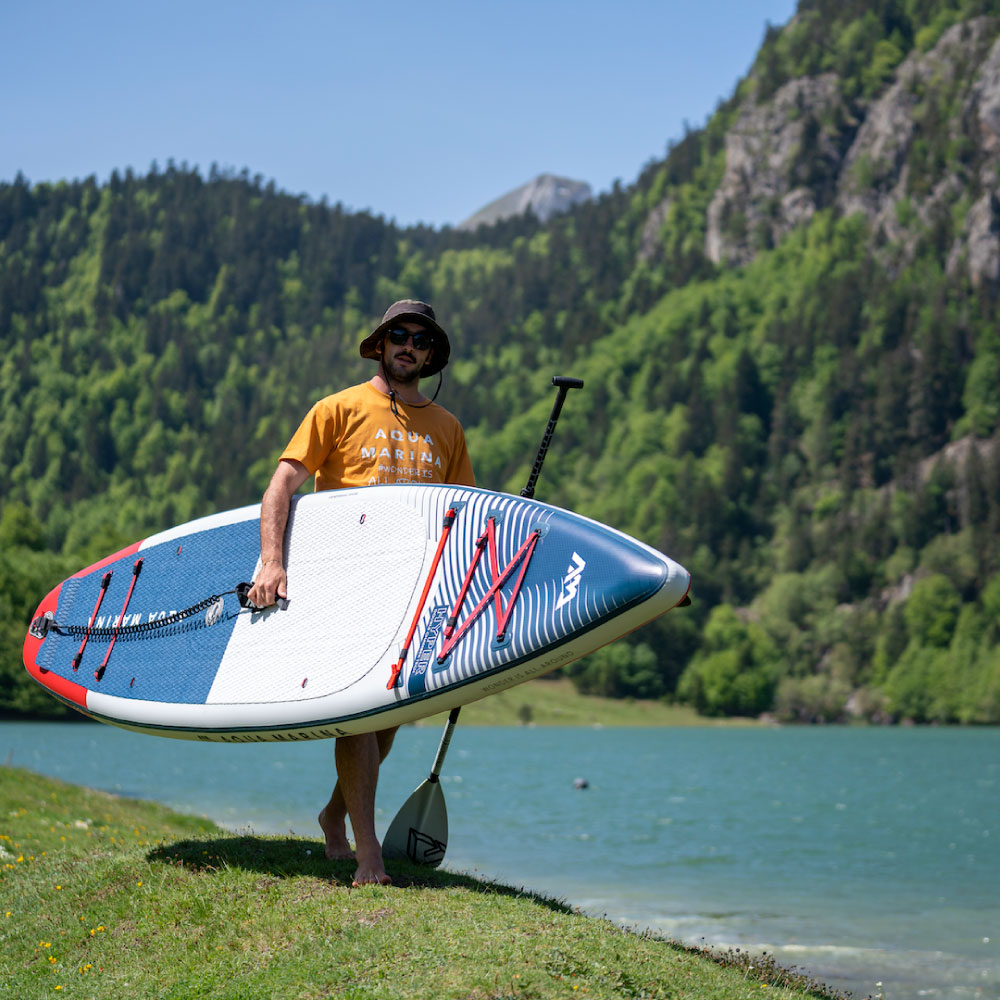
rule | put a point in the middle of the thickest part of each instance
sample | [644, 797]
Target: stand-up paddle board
[403, 601]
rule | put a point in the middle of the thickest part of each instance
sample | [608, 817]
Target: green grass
[109, 897]
[557, 703]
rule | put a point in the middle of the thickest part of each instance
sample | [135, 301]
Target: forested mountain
[787, 327]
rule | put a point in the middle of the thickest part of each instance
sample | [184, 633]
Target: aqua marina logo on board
[571, 581]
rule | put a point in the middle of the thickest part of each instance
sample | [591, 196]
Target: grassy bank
[557, 703]
[106, 897]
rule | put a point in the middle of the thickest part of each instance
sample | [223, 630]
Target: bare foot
[371, 871]
[338, 848]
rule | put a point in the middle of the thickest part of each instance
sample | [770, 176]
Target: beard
[400, 373]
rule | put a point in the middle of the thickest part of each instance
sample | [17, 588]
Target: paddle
[420, 830]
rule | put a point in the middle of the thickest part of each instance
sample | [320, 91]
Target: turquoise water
[861, 856]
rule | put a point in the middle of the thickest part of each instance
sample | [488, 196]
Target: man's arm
[271, 581]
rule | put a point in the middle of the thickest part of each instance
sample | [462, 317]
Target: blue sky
[421, 111]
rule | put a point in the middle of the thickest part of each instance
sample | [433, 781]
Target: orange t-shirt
[353, 438]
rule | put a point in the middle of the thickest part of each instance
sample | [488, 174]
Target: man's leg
[358, 759]
[333, 821]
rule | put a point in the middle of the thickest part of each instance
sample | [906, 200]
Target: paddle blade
[420, 830]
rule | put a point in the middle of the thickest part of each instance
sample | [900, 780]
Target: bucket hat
[410, 311]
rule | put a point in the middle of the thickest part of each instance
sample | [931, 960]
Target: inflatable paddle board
[403, 601]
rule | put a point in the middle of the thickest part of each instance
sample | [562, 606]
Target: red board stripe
[130, 551]
[61, 687]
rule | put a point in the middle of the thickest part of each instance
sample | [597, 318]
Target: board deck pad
[444, 566]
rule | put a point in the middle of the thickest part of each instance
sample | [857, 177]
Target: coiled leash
[46, 623]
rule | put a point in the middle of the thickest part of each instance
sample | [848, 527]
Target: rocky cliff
[926, 147]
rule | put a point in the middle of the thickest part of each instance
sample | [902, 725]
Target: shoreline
[197, 908]
[702, 793]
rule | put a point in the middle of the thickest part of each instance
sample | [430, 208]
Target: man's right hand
[270, 584]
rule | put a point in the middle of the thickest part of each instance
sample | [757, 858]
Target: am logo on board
[571, 581]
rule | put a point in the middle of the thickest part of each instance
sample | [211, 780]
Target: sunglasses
[421, 341]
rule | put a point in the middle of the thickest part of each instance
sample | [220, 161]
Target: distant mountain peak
[546, 196]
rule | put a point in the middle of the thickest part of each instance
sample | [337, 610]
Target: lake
[858, 855]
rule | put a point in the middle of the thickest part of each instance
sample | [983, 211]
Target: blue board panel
[616, 572]
[176, 663]
[579, 575]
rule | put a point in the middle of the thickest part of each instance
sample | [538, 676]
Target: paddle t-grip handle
[564, 383]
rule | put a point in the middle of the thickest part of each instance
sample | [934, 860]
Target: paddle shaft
[564, 384]
[443, 745]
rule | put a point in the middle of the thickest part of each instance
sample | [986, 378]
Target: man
[381, 431]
